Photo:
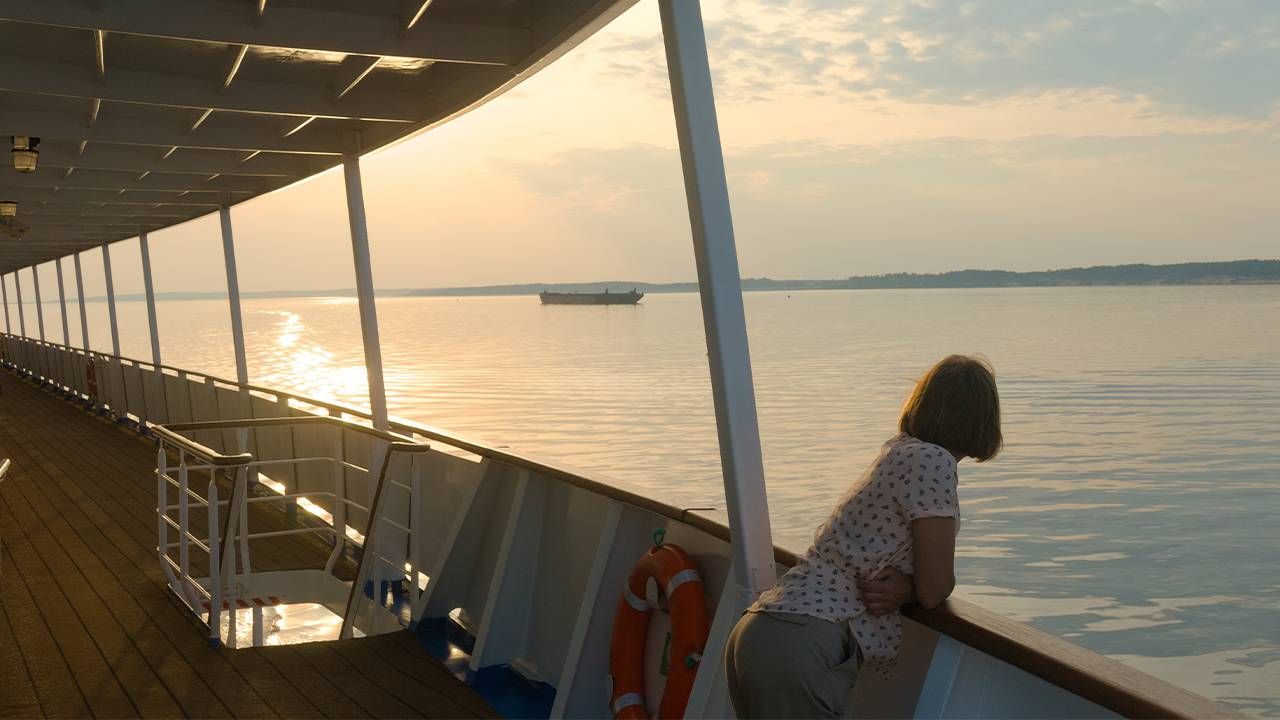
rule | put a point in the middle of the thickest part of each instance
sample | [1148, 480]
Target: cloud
[1201, 57]
[822, 209]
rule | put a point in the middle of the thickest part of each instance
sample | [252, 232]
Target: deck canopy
[152, 112]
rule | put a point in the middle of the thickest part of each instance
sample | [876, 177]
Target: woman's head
[956, 405]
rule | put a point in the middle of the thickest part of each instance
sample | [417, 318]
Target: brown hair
[956, 405]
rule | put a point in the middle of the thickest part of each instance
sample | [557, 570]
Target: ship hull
[627, 298]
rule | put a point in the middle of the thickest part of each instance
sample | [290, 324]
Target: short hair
[956, 405]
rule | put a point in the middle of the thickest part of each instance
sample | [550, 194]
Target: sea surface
[1135, 509]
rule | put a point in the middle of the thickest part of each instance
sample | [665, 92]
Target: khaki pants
[782, 665]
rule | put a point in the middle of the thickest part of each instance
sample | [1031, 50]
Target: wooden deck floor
[89, 629]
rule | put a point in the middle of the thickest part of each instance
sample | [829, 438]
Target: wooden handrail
[171, 434]
[1101, 680]
[252, 423]
[208, 454]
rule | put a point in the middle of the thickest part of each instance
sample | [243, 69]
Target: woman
[890, 541]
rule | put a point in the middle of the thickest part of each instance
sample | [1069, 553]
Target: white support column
[720, 286]
[233, 295]
[111, 301]
[84, 314]
[150, 290]
[62, 304]
[17, 287]
[4, 294]
[364, 287]
[35, 280]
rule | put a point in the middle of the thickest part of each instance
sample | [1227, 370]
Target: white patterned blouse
[869, 530]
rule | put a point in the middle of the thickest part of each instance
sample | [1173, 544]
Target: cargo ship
[604, 298]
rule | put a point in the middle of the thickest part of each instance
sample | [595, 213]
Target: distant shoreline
[1238, 272]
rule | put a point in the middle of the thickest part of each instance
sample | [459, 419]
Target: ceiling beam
[100, 53]
[43, 213]
[247, 133]
[142, 158]
[353, 69]
[71, 229]
[45, 177]
[23, 193]
[411, 12]
[44, 77]
[233, 65]
[294, 27]
[55, 237]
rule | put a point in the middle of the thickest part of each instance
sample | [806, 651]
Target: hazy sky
[861, 137]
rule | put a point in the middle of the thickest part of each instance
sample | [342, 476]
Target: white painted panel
[233, 404]
[358, 449]
[508, 609]
[204, 408]
[177, 398]
[316, 441]
[448, 486]
[573, 520]
[273, 443]
[135, 402]
[589, 695]
[153, 393]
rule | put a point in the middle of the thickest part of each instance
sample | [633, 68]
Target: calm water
[1133, 510]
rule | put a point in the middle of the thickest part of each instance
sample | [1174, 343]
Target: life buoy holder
[678, 579]
[91, 378]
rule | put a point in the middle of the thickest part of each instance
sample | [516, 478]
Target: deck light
[25, 154]
[8, 208]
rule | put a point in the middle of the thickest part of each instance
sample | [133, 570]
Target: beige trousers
[782, 665]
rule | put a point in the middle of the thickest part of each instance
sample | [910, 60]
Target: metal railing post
[4, 294]
[17, 289]
[215, 564]
[233, 294]
[162, 505]
[111, 303]
[149, 289]
[720, 286]
[35, 282]
[415, 523]
[364, 284]
[62, 303]
[339, 499]
[84, 314]
[184, 527]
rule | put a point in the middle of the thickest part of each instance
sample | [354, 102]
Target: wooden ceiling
[154, 112]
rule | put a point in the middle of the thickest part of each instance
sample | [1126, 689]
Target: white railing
[487, 536]
[231, 579]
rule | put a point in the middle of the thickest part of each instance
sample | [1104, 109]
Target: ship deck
[88, 627]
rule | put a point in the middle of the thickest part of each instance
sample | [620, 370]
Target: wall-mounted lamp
[25, 154]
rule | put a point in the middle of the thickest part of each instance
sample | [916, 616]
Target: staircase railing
[225, 538]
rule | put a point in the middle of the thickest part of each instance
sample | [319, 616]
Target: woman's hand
[887, 592]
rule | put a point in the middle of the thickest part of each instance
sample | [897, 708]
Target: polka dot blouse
[869, 530]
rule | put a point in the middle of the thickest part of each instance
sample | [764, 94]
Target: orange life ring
[678, 579]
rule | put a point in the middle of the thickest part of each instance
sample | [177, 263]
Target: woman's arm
[933, 541]
[888, 591]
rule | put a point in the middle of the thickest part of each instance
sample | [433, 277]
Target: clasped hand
[887, 591]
